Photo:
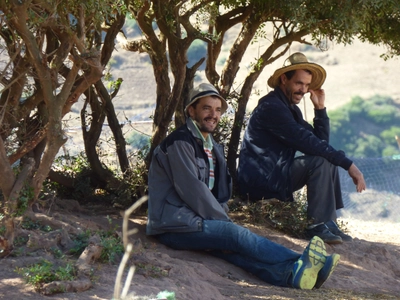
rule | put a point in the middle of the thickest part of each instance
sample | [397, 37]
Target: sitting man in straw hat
[268, 167]
[189, 186]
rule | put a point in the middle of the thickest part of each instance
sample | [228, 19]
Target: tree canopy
[170, 27]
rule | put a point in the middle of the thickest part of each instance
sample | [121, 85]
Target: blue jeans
[269, 261]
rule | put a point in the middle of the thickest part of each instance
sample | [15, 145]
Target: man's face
[297, 86]
[206, 114]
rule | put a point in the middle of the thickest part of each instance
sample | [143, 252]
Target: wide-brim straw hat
[203, 90]
[298, 61]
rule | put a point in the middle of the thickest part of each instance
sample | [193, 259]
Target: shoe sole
[310, 264]
[330, 265]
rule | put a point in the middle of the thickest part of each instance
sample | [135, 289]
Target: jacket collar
[194, 131]
[282, 96]
[191, 126]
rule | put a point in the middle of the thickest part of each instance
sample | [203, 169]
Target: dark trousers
[324, 195]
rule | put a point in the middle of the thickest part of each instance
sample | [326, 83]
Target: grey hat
[203, 90]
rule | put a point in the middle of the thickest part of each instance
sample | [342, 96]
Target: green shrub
[383, 114]
[45, 272]
[360, 128]
[76, 167]
[113, 249]
[355, 107]
[390, 151]
[138, 140]
[81, 241]
[368, 146]
[287, 217]
[29, 224]
[388, 135]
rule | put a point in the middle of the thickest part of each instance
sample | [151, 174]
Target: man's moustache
[214, 119]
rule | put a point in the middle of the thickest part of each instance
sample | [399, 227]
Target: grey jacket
[179, 197]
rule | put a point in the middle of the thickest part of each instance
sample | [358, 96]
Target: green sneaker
[307, 267]
[330, 264]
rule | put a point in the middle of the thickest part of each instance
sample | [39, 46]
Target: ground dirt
[369, 267]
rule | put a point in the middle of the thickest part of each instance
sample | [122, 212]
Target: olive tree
[51, 55]
[170, 27]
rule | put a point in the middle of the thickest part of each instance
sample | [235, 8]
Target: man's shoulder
[274, 95]
[180, 134]
[270, 101]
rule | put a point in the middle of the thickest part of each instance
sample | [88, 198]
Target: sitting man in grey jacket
[189, 186]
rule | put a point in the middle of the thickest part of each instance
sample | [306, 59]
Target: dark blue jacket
[276, 130]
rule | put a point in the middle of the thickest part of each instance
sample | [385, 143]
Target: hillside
[352, 70]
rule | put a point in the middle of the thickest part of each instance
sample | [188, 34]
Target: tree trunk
[100, 176]
[265, 59]
[180, 117]
[161, 121]
[115, 127]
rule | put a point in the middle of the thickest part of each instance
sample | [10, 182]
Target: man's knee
[319, 162]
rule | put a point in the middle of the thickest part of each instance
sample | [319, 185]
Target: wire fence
[381, 200]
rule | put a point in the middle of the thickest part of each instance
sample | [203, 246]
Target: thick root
[66, 286]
